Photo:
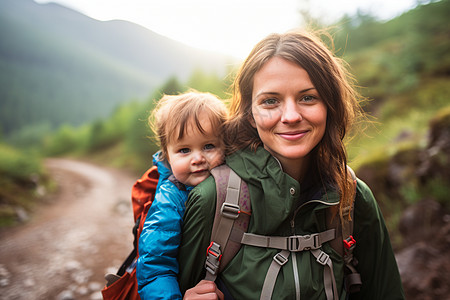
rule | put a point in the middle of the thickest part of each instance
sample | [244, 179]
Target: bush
[18, 165]
[65, 140]
[21, 177]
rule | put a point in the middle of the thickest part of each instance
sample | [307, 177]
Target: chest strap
[295, 243]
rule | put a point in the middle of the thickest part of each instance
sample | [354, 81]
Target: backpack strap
[347, 227]
[230, 221]
[328, 275]
[279, 260]
[352, 281]
[344, 244]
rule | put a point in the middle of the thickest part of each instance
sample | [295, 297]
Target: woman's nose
[291, 112]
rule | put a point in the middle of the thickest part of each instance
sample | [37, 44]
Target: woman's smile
[292, 135]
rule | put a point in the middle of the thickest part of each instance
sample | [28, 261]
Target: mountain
[59, 66]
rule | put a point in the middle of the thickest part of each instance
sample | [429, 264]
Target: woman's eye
[209, 146]
[184, 150]
[308, 98]
[270, 101]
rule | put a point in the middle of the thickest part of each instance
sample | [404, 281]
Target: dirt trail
[68, 246]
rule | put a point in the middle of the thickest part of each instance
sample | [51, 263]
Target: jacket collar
[254, 166]
[165, 172]
[163, 166]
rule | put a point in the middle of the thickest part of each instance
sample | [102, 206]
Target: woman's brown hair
[334, 85]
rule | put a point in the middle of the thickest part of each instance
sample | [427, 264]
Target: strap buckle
[349, 243]
[323, 258]
[213, 257]
[214, 250]
[280, 259]
[299, 243]
[230, 211]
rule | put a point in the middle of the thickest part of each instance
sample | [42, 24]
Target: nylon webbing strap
[347, 225]
[290, 244]
[278, 261]
[347, 229]
[352, 281]
[294, 243]
[329, 281]
[229, 212]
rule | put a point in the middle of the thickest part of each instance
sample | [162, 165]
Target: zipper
[312, 201]
[294, 254]
[279, 163]
[296, 278]
[295, 266]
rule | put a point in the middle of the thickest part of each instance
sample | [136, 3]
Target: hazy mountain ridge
[57, 65]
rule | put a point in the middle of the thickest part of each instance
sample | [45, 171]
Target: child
[188, 128]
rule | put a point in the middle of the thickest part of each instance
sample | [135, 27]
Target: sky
[229, 27]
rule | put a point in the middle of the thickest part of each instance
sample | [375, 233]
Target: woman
[292, 106]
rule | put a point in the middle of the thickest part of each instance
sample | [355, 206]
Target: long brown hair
[335, 86]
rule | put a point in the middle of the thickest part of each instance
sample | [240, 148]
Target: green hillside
[402, 66]
[58, 66]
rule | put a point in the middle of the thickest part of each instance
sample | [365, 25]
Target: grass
[23, 183]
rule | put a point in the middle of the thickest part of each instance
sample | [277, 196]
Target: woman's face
[287, 111]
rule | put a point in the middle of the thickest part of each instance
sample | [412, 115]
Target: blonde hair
[334, 85]
[174, 113]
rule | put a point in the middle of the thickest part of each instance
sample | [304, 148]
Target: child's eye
[184, 150]
[209, 146]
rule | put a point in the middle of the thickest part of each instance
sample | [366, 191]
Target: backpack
[230, 231]
[233, 211]
[123, 285]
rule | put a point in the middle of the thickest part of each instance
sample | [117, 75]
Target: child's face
[193, 156]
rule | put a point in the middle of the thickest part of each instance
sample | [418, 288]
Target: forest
[402, 149]
[58, 66]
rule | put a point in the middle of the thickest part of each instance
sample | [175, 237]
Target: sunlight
[230, 27]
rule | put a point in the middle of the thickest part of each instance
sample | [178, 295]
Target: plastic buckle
[323, 258]
[280, 259]
[213, 257]
[230, 211]
[214, 250]
[306, 242]
[349, 243]
[294, 243]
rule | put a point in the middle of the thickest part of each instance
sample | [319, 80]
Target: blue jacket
[157, 266]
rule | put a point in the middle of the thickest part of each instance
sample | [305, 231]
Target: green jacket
[281, 208]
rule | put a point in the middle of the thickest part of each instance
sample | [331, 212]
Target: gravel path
[68, 246]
